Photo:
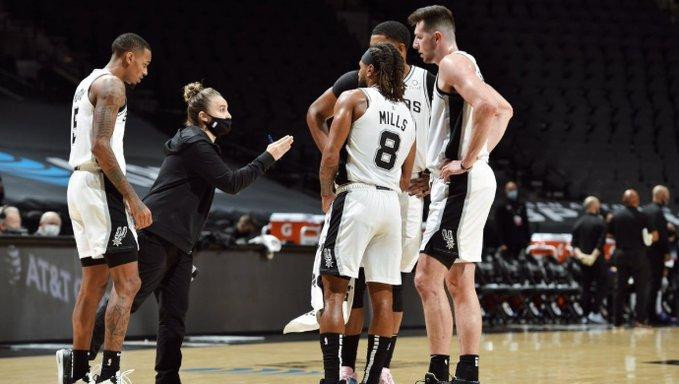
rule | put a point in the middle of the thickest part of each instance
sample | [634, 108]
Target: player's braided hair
[197, 99]
[389, 70]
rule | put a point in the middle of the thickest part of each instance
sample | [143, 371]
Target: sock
[349, 349]
[331, 346]
[468, 368]
[438, 365]
[110, 364]
[390, 354]
[378, 348]
[81, 364]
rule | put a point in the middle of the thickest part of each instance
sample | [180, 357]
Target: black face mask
[219, 127]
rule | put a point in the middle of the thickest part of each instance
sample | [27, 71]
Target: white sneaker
[64, 364]
[596, 318]
[385, 377]
[119, 378]
[348, 374]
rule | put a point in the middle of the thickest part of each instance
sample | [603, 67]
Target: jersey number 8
[386, 154]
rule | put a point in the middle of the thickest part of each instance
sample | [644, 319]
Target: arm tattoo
[327, 176]
[110, 97]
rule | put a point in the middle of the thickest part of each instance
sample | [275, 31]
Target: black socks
[438, 365]
[468, 368]
[390, 355]
[378, 348]
[81, 364]
[109, 365]
[330, 346]
[349, 348]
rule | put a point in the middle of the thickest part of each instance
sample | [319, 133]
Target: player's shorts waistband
[88, 167]
[358, 186]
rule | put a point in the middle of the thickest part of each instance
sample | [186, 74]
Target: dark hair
[129, 42]
[434, 16]
[388, 65]
[394, 30]
[197, 98]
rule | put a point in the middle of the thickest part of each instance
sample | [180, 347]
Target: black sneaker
[65, 369]
[460, 381]
[430, 378]
[64, 366]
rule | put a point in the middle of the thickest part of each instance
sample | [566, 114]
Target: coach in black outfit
[511, 219]
[180, 200]
[660, 250]
[589, 237]
[633, 232]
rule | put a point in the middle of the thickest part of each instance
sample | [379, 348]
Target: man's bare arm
[339, 131]
[458, 72]
[109, 96]
[318, 113]
[407, 167]
[501, 123]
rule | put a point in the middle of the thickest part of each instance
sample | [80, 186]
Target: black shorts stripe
[90, 262]
[121, 238]
[456, 107]
[443, 244]
[328, 257]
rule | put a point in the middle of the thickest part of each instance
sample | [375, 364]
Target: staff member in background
[659, 251]
[180, 200]
[511, 219]
[634, 233]
[10, 221]
[589, 237]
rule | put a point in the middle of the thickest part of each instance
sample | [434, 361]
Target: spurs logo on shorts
[448, 237]
[121, 232]
[327, 257]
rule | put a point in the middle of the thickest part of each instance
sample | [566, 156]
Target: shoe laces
[122, 377]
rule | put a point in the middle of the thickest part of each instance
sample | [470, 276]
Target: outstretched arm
[109, 95]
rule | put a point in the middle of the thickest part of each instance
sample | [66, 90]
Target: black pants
[594, 275]
[632, 264]
[165, 271]
[656, 268]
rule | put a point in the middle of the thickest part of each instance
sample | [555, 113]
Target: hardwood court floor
[594, 356]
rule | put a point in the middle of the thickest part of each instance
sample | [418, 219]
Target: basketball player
[98, 195]
[378, 132]
[419, 87]
[468, 119]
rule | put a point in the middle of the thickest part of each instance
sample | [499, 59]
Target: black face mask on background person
[219, 126]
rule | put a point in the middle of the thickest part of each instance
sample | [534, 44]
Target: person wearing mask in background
[634, 233]
[511, 219]
[589, 237]
[658, 253]
[10, 221]
[50, 224]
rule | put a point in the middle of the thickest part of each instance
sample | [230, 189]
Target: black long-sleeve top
[657, 217]
[627, 225]
[513, 228]
[589, 233]
[181, 196]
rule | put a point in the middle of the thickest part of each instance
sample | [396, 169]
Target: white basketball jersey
[451, 126]
[417, 99]
[379, 142]
[82, 121]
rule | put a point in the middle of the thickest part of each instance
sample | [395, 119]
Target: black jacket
[181, 196]
[513, 228]
[661, 247]
[589, 233]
